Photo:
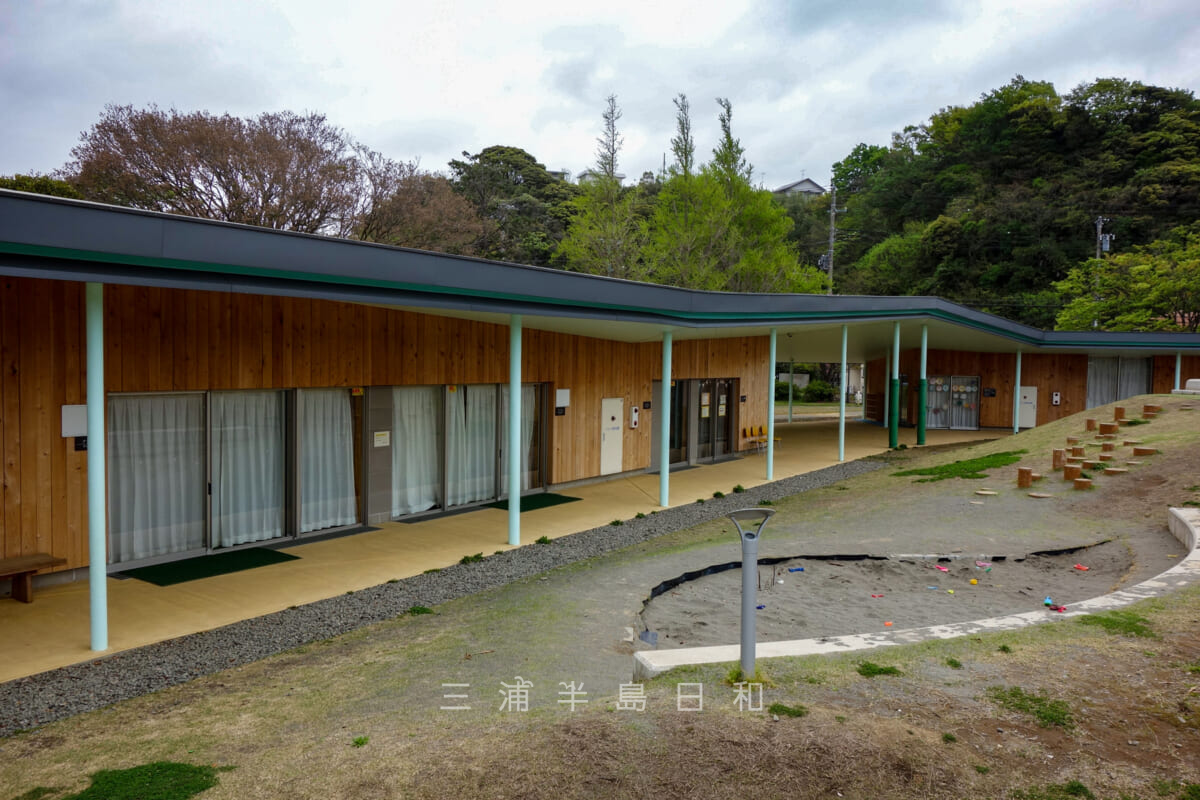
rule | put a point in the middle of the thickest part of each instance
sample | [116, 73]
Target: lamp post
[749, 523]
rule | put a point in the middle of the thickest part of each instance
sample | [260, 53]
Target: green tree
[1153, 287]
[606, 235]
[528, 208]
[39, 184]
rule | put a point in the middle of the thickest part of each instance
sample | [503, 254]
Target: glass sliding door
[471, 450]
[247, 457]
[416, 449]
[723, 429]
[327, 485]
[529, 440]
[156, 475]
[680, 422]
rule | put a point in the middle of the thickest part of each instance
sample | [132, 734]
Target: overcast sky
[427, 80]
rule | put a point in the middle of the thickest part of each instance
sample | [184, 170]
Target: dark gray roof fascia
[79, 240]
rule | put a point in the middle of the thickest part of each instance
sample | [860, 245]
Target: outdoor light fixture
[749, 523]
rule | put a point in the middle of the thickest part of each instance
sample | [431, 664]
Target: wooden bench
[21, 569]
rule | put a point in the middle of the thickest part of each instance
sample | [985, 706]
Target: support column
[1017, 397]
[923, 398]
[791, 383]
[97, 510]
[771, 415]
[664, 425]
[842, 399]
[894, 426]
[514, 430]
[1178, 369]
[887, 388]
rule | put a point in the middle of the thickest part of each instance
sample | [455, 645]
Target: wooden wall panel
[1164, 372]
[42, 478]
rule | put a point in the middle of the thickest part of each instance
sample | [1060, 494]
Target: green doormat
[191, 569]
[532, 502]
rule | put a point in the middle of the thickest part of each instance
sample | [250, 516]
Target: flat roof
[63, 239]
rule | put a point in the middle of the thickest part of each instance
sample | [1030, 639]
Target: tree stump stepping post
[1089, 424]
[1060, 459]
[1109, 427]
[1118, 413]
[1083, 483]
[1024, 477]
[1071, 472]
[1144, 451]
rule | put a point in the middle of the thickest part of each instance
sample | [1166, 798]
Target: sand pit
[836, 596]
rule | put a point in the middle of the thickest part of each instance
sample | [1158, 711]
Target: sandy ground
[834, 597]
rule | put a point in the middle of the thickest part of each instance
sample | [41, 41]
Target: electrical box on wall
[633, 417]
[1055, 399]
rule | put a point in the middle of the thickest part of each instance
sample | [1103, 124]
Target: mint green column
[664, 425]
[514, 430]
[894, 426]
[842, 399]
[97, 509]
[771, 415]
[1017, 397]
[1178, 369]
[791, 384]
[923, 398]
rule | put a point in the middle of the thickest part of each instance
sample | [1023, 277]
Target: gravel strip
[48, 696]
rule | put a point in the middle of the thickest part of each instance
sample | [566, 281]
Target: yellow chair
[759, 441]
[762, 434]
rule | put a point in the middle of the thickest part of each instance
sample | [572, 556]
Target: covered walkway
[52, 631]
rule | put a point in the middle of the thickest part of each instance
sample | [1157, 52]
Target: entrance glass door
[706, 421]
[964, 402]
[937, 405]
[246, 452]
[680, 420]
[723, 421]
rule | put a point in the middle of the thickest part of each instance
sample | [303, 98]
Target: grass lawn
[852, 409]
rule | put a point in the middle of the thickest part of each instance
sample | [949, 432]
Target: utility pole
[833, 212]
[1102, 239]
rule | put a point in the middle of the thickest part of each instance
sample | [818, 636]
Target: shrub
[818, 391]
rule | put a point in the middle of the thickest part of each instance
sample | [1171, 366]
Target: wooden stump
[1060, 459]
[1108, 447]
[1109, 427]
[1083, 483]
[1107, 456]
[1151, 409]
[1072, 440]
[1115, 470]
[1090, 464]
[1118, 413]
[1144, 451]
[1024, 477]
[1132, 442]
[1071, 472]
[1078, 452]
[1090, 424]
[1149, 414]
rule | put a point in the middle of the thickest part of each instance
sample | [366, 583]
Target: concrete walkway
[52, 631]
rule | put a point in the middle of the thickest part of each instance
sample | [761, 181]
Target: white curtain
[1134, 378]
[529, 423]
[156, 475]
[471, 444]
[326, 429]
[247, 467]
[416, 449]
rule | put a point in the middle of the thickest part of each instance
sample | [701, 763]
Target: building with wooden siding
[171, 387]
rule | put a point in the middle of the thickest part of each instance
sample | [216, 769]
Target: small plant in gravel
[839, 718]
[782, 710]
[1194, 667]
[1047, 712]
[953, 663]
[739, 489]
[1191, 503]
[617, 522]
[471, 559]
[415, 610]
[982, 769]
[639, 515]
[1125, 623]
[1004, 649]
[543, 540]
[700, 500]
[393, 580]
[869, 669]
[432, 571]
[361, 741]
[1137, 422]
[765, 503]
[718, 495]
[949, 738]
[736, 676]
[1055, 791]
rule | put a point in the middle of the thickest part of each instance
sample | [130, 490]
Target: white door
[1027, 414]
[612, 413]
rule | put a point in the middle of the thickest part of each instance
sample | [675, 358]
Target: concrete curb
[1184, 524]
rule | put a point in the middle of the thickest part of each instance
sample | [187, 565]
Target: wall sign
[989, 392]
[559, 411]
[383, 438]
